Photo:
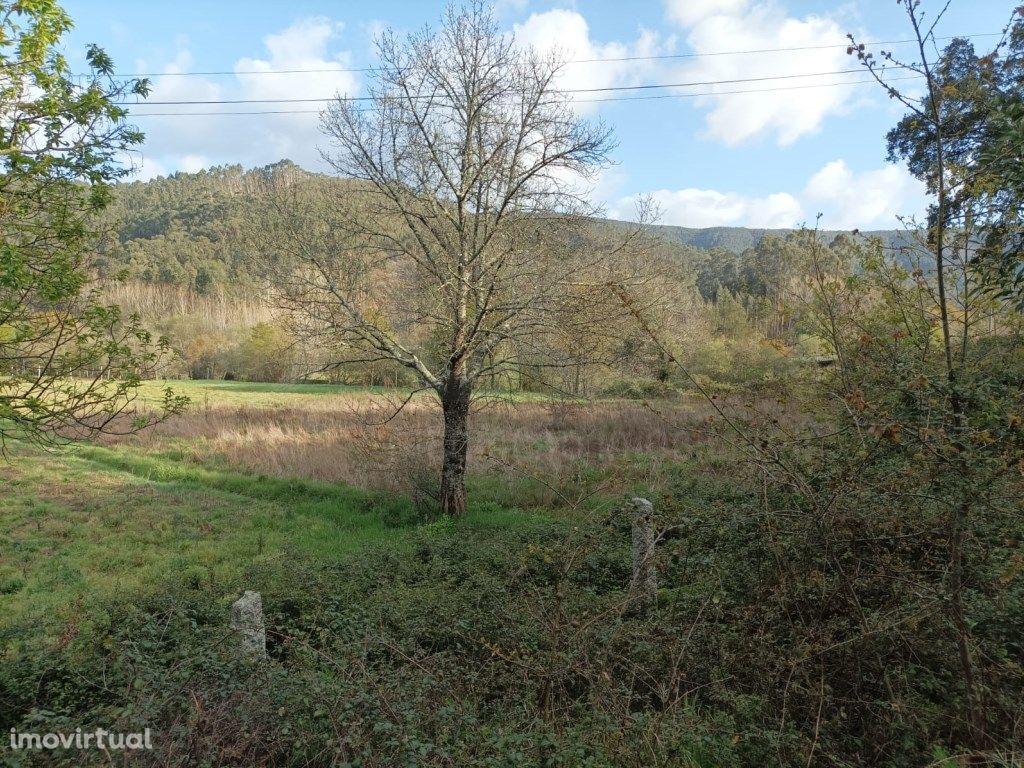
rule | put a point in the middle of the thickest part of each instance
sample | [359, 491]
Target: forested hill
[189, 230]
[739, 239]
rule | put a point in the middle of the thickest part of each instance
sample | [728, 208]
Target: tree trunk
[455, 405]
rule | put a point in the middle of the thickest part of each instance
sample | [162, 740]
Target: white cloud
[871, 199]
[302, 46]
[187, 142]
[773, 211]
[192, 163]
[167, 136]
[714, 26]
[866, 200]
[307, 44]
[567, 33]
[144, 168]
[689, 12]
[710, 208]
[510, 6]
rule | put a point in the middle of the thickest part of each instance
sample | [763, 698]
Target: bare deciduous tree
[465, 241]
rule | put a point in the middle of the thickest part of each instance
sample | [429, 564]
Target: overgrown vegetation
[831, 431]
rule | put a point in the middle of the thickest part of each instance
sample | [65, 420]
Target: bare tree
[464, 241]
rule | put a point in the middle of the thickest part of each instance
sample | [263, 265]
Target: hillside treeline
[189, 252]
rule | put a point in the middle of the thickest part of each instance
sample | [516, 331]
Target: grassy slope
[83, 523]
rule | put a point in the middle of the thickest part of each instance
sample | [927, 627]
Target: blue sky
[771, 158]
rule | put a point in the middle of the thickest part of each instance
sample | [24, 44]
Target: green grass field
[82, 524]
[259, 394]
[120, 559]
[218, 392]
[508, 636]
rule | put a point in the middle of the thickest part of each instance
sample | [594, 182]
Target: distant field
[252, 393]
[218, 392]
[525, 450]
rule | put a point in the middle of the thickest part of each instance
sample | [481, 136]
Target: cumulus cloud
[193, 163]
[713, 26]
[174, 143]
[143, 168]
[866, 200]
[595, 65]
[689, 12]
[871, 199]
[188, 142]
[302, 46]
[711, 208]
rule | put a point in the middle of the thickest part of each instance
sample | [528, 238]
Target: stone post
[247, 621]
[644, 583]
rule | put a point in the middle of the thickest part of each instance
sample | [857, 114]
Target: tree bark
[455, 406]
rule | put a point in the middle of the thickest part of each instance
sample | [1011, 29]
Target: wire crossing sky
[663, 57]
[727, 112]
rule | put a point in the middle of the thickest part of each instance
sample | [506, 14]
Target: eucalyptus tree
[69, 366]
[464, 243]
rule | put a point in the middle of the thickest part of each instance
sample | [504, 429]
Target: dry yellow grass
[535, 453]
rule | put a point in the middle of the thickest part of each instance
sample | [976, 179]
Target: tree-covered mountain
[199, 257]
[190, 229]
[740, 239]
[195, 230]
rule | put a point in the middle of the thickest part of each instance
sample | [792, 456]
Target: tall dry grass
[526, 453]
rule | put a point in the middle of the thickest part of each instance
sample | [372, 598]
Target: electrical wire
[578, 101]
[661, 57]
[570, 91]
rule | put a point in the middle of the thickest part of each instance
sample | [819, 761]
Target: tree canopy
[68, 364]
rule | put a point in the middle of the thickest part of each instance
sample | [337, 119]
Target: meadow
[372, 439]
[252, 471]
[397, 635]
[124, 557]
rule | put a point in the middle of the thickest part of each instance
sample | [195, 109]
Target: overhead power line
[585, 101]
[660, 57]
[770, 50]
[651, 86]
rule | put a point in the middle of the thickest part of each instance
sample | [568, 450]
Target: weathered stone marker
[644, 584]
[247, 620]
